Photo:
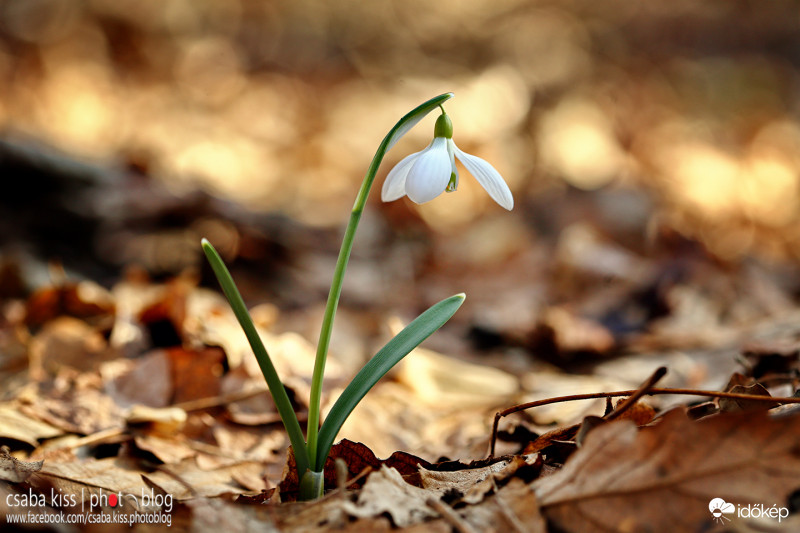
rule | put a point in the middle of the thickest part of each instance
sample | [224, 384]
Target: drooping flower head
[425, 175]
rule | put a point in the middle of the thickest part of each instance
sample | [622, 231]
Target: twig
[641, 391]
[651, 392]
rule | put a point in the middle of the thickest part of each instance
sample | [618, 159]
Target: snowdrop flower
[425, 175]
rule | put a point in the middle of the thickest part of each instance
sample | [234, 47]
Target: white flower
[425, 175]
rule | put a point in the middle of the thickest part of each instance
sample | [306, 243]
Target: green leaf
[279, 395]
[388, 356]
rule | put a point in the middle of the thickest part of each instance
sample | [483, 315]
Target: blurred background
[653, 151]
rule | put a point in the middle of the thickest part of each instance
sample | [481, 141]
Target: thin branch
[651, 392]
[641, 391]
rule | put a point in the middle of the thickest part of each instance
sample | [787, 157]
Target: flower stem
[399, 129]
[327, 328]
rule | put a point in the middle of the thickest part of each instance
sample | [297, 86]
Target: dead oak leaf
[74, 402]
[730, 405]
[386, 492]
[211, 515]
[145, 380]
[475, 483]
[87, 479]
[187, 480]
[19, 426]
[661, 478]
[195, 373]
[512, 508]
[67, 342]
[358, 458]
[85, 300]
[169, 450]
[183, 481]
[560, 443]
[14, 470]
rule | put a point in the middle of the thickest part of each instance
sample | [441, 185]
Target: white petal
[488, 177]
[395, 185]
[451, 147]
[430, 173]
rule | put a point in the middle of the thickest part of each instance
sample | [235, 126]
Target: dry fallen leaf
[195, 373]
[251, 443]
[213, 515]
[18, 426]
[88, 480]
[167, 449]
[386, 492]
[512, 508]
[729, 405]
[164, 318]
[86, 300]
[14, 470]
[145, 380]
[566, 333]
[182, 481]
[188, 480]
[475, 483]
[639, 413]
[254, 410]
[496, 499]
[74, 402]
[67, 342]
[662, 478]
[358, 458]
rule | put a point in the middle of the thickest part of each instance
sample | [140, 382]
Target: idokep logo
[719, 508]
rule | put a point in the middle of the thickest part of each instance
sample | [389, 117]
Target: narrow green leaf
[388, 356]
[279, 395]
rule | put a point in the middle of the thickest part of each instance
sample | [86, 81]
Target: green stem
[279, 395]
[405, 124]
[312, 486]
